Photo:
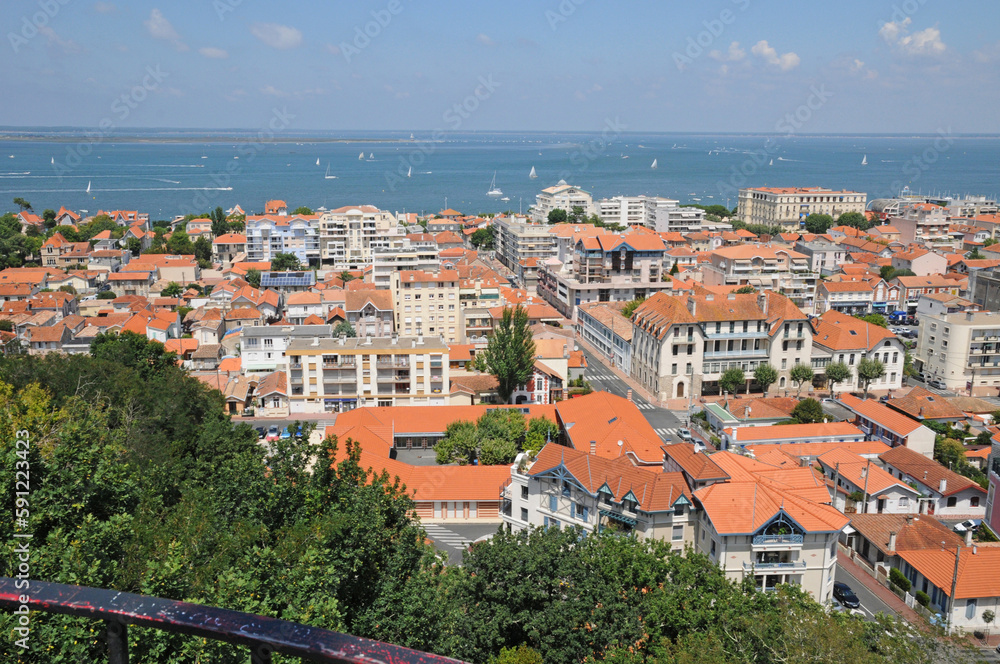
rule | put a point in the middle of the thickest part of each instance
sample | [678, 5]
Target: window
[904, 501]
[524, 514]
[553, 503]
[713, 547]
[970, 609]
[974, 501]
[678, 533]
[524, 493]
[952, 501]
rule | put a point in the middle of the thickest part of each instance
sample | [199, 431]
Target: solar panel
[288, 279]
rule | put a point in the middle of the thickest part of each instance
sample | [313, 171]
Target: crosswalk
[642, 405]
[442, 535]
[596, 376]
[667, 433]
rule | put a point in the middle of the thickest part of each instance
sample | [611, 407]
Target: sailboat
[770, 163]
[88, 186]
[532, 174]
[494, 190]
[361, 156]
[317, 162]
[409, 171]
[53, 160]
[328, 176]
[653, 165]
[864, 160]
[371, 155]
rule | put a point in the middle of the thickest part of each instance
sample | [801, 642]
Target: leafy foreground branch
[140, 482]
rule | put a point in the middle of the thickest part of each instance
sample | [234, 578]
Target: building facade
[789, 206]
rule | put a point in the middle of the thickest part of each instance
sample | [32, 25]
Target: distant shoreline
[198, 139]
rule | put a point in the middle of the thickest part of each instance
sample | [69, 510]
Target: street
[454, 537]
[870, 603]
[664, 422]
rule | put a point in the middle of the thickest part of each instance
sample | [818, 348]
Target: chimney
[593, 447]
[909, 519]
[762, 302]
[968, 539]
[892, 541]
[975, 549]
[943, 485]
[395, 339]
[692, 305]
[420, 339]
[315, 341]
[342, 339]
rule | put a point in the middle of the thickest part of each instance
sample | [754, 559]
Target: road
[664, 422]
[454, 537]
[870, 603]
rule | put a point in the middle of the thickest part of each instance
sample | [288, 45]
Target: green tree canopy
[302, 210]
[800, 375]
[510, 352]
[854, 220]
[808, 411]
[203, 249]
[282, 262]
[253, 277]
[173, 289]
[180, 244]
[631, 306]
[483, 239]
[22, 203]
[837, 372]
[106, 295]
[732, 380]
[874, 319]
[818, 223]
[220, 226]
[765, 375]
[745, 290]
[869, 371]
[345, 328]
[557, 216]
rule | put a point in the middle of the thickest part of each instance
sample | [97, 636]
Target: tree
[869, 370]
[765, 375]
[346, 276]
[974, 255]
[459, 443]
[134, 245]
[6, 325]
[874, 319]
[989, 615]
[282, 262]
[133, 351]
[180, 244]
[49, 216]
[253, 277]
[483, 239]
[837, 372]
[203, 249]
[854, 220]
[345, 328]
[173, 289]
[818, 223]
[510, 353]
[576, 214]
[886, 272]
[21, 203]
[903, 273]
[302, 210]
[800, 375]
[745, 290]
[732, 379]
[557, 216]
[808, 411]
[220, 226]
[989, 242]
[541, 430]
[631, 306]
[674, 269]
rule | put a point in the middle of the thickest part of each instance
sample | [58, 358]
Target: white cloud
[67, 45]
[859, 67]
[733, 54]
[272, 91]
[214, 53]
[160, 28]
[924, 42]
[485, 40]
[784, 62]
[276, 35]
[105, 7]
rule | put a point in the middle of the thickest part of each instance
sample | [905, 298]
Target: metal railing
[777, 539]
[262, 635]
[798, 564]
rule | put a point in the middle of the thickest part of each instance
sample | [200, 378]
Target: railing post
[117, 642]
[260, 654]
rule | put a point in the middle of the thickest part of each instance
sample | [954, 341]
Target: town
[803, 388]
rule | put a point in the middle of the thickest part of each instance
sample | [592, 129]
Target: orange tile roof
[977, 570]
[913, 532]
[698, 465]
[838, 331]
[605, 419]
[881, 414]
[862, 472]
[922, 404]
[417, 420]
[927, 471]
[797, 432]
[230, 364]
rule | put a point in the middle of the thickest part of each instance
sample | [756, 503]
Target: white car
[970, 524]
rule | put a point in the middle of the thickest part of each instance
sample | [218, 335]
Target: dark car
[261, 431]
[843, 594]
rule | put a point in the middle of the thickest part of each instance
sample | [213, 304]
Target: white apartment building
[682, 346]
[789, 206]
[403, 254]
[962, 349]
[654, 212]
[428, 303]
[562, 197]
[766, 267]
[349, 235]
[923, 223]
[335, 375]
[838, 337]
[519, 241]
[271, 234]
[262, 347]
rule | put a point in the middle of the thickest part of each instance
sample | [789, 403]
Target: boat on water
[505, 198]
[371, 155]
[88, 186]
[770, 163]
[864, 160]
[494, 190]
[53, 160]
[653, 165]
[409, 172]
[317, 162]
[532, 174]
[328, 176]
[361, 156]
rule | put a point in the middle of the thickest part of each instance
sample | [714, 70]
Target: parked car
[261, 432]
[685, 435]
[285, 433]
[969, 524]
[273, 433]
[843, 594]
[937, 383]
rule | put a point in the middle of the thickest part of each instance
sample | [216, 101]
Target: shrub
[923, 599]
[897, 579]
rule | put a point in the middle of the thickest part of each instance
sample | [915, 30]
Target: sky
[852, 66]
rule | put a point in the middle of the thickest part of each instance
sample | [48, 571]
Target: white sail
[53, 160]
[361, 156]
[653, 165]
[864, 161]
[532, 174]
[409, 171]
[494, 190]
[371, 155]
[328, 176]
[88, 186]
[770, 163]
[317, 162]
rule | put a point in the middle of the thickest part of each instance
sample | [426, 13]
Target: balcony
[797, 565]
[722, 354]
[260, 634]
[738, 334]
[778, 541]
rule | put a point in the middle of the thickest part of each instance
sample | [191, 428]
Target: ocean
[170, 172]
